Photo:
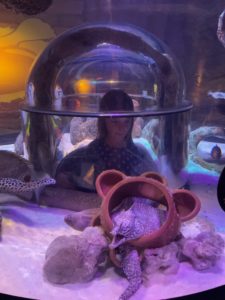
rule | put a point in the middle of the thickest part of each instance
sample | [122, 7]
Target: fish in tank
[107, 117]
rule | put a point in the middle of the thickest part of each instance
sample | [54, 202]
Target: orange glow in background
[18, 49]
[83, 86]
[13, 72]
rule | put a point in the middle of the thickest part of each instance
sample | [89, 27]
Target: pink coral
[75, 258]
[204, 250]
[163, 258]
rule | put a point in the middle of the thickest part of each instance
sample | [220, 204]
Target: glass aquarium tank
[117, 183]
[78, 68]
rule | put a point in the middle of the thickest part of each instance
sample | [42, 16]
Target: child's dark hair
[115, 100]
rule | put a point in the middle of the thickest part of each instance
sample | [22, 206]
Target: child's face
[117, 130]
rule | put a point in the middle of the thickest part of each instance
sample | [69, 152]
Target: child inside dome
[112, 149]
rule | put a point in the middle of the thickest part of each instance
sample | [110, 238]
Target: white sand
[27, 230]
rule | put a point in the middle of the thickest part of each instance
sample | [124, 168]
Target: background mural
[18, 49]
[187, 27]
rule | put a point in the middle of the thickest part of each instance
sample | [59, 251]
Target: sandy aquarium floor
[28, 229]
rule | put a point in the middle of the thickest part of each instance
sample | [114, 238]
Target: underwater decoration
[146, 215]
[75, 258]
[216, 152]
[114, 57]
[206, 147]
[181, 205]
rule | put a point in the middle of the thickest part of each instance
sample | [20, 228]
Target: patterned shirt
[85, 164]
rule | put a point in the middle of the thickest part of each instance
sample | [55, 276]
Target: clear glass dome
[82, 64]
